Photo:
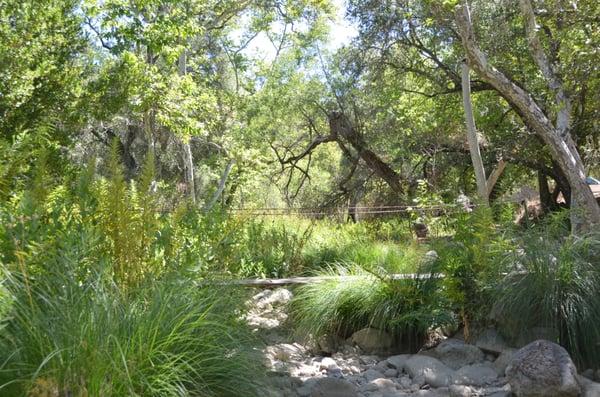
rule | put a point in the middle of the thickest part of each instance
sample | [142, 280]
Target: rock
[368, 360]
[396, 394]
[304, 391]
[329, 344]
[543, 369]
[434, 372]
[372, 374]
[503, 360]
[372, 340]
[381, 385]
[328, 363]
[475, 375]
[491, 341]
[461, 391]
[588, 373]
[398, 361]
[382, 366]
[331, 387]
[390, 373]
[455, 353]
[590, 388]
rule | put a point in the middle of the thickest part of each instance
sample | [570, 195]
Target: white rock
[327, 363]
[461, 391]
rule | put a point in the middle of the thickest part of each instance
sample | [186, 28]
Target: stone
[503, 360]
[383, 385]
[431, 256]
[491, 341]
[588, 373]
[328, 343]
[456, 353]
[328, 363]
[372, 374]
[434, 372]
[398, 361]
[543, 369]
[331, 387]
[461, 391]
[372, 340]
[590, 388]
[304, 391]
[475, 375]
[390, 373]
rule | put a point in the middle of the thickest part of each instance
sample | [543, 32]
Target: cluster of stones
[357, 368]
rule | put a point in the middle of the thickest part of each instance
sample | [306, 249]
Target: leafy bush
[554, 282]
[80, 337]
[407, 309]
[471, 263]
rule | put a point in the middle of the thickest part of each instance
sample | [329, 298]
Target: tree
[557, 134]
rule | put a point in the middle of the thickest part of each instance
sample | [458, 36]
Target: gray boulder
[372, 340]
[475, 375]
[433, 371]
[456, 353]
[398, 361]
[543, 369]
[503, 360]
[332, 387]
[491, 341]
[590, 388]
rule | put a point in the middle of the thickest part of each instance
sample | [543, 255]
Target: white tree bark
[221, 186]
[188, 159]
[557, 137]
[482, 189]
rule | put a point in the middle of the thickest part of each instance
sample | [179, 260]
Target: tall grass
[407, 309]
[63, 336]
[555, 283]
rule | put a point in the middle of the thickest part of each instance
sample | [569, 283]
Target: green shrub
[166, 338]
[407, 309]
[554, 282]
[471, 262]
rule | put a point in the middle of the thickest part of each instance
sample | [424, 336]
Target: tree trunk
[558, 138]
[339, 125]
[220, 188]
[188, 159]
[480, 178]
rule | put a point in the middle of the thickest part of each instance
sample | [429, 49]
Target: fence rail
[274, 282]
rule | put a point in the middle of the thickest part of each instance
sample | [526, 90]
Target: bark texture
[555, 135]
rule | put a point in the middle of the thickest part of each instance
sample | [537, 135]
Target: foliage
[554, 282]
[471, 262]
[169, 338]
[406, 309]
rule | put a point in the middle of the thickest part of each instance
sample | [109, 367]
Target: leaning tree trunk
[339, 125]
[586, 212]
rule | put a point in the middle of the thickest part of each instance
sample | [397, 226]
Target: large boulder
[475, 375]
[333, 387]
[372, 340]
[431, 370]
[456, 353]
[543, 369]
